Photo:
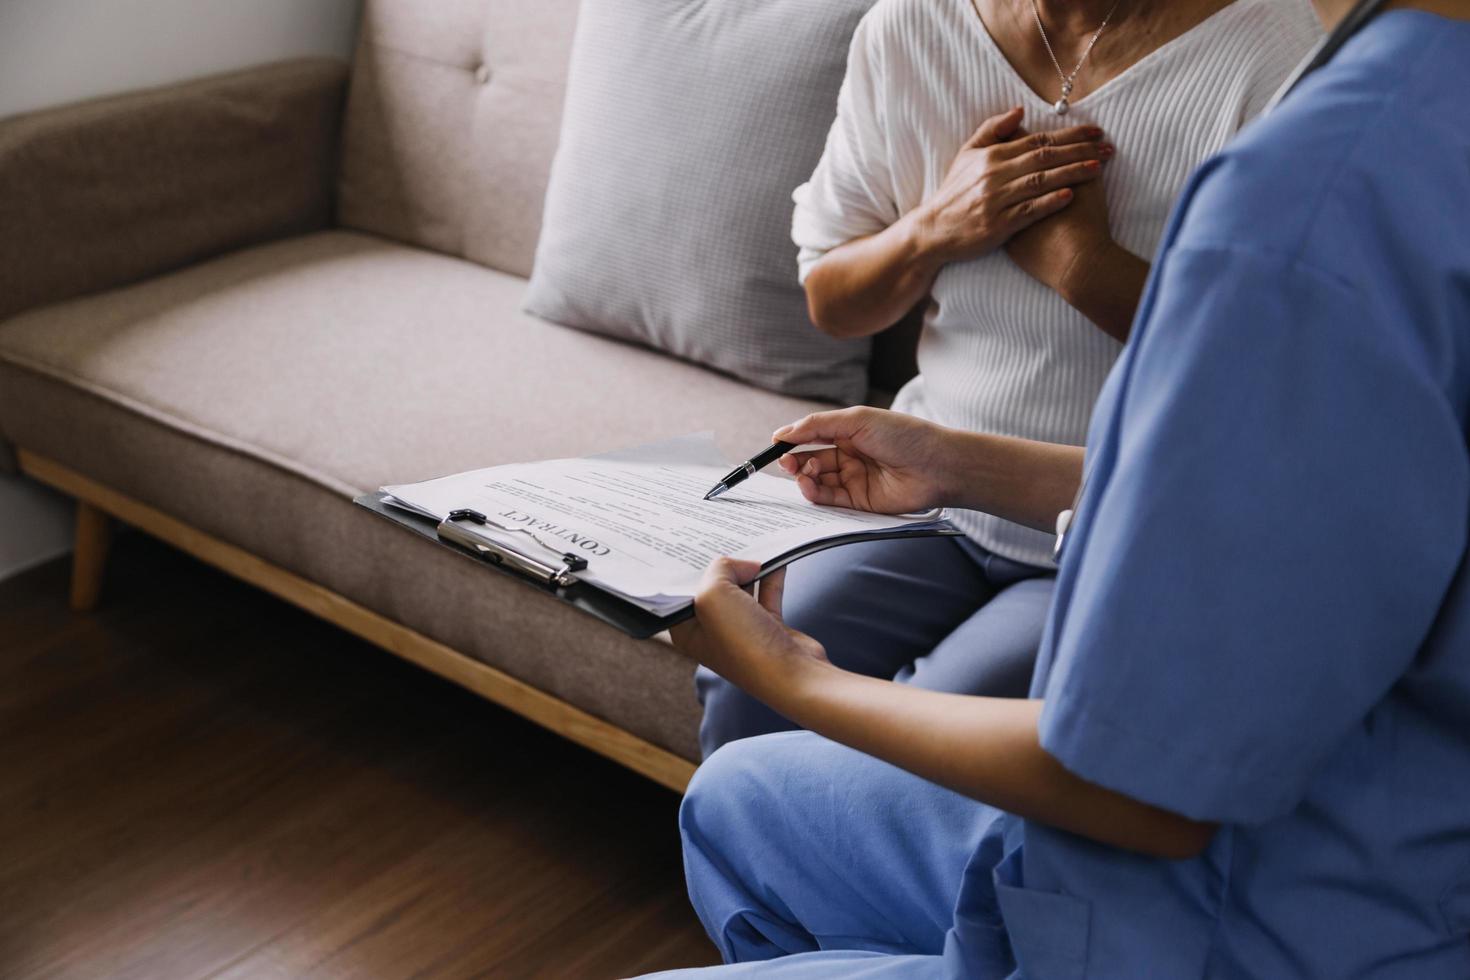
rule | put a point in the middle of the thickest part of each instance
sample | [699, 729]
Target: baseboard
[33, 560]
[37, 525]
[550, 712]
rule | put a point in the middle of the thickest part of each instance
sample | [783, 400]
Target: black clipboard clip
[458, 529]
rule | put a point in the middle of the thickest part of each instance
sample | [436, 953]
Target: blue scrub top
[1263, 612]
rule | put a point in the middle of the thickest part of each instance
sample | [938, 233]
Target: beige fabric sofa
[228, 307]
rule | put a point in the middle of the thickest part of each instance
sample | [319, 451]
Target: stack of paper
[639, 518]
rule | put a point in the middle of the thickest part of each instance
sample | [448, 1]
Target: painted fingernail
[1093, 164]
[1093, 131]
[1107, 149]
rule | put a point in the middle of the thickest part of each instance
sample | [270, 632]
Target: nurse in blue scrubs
[1247, 753]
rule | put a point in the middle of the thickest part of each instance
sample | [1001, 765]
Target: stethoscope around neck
[1355, 20]
[1362, 12]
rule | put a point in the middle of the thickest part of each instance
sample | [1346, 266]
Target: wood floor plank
[202, 781]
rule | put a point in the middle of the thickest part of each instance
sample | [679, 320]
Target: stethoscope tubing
[1362, 12]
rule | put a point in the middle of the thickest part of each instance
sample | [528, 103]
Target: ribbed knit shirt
[1000, 352]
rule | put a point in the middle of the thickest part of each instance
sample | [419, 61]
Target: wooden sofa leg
[89, 559]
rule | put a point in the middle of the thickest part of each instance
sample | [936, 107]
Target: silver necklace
[1060, 106]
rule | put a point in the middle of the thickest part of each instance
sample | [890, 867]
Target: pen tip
[716, 492]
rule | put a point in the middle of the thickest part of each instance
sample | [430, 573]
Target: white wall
[58, 51]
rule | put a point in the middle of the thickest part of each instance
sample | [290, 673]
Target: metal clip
[559, 573]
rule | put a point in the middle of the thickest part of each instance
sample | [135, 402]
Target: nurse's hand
[743, 638]
[886, 462]
[1002, 181]
[892, 463]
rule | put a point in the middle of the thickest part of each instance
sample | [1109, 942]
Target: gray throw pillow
[688, 123]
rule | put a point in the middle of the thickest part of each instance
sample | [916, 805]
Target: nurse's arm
[892, 463]
[986, 748]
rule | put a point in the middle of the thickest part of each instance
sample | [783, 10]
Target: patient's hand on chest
[1074, 252]
[1057, 249]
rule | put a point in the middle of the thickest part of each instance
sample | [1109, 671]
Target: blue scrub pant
[940, 613]
[808, 859]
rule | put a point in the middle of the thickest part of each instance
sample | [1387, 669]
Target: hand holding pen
[874, 460]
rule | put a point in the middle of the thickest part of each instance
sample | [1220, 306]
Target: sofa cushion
[451, 124]
[668, 215]
[253, 395]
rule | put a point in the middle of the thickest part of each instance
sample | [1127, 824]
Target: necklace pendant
[1060, 106]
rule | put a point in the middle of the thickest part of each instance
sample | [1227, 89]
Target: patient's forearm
[868, 284]
[986, 748]
[1107, 291]
[1020, 480]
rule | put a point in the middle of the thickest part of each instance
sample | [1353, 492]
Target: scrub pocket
[1048, 932]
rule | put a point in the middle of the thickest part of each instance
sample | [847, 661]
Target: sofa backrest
[451, 123]
[452, 120]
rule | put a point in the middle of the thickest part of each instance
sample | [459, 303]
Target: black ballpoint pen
[748, 468]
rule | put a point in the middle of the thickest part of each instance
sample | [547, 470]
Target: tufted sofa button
[482, 74]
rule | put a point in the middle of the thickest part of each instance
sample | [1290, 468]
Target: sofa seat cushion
[356, 362]
[252, 396]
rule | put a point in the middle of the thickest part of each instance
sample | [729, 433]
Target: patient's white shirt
[1000, 352]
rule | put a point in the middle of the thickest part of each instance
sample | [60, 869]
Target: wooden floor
[199, 781]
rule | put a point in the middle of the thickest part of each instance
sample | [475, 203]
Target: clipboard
[561, 579]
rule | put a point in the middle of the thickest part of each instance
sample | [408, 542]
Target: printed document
[639, 518]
